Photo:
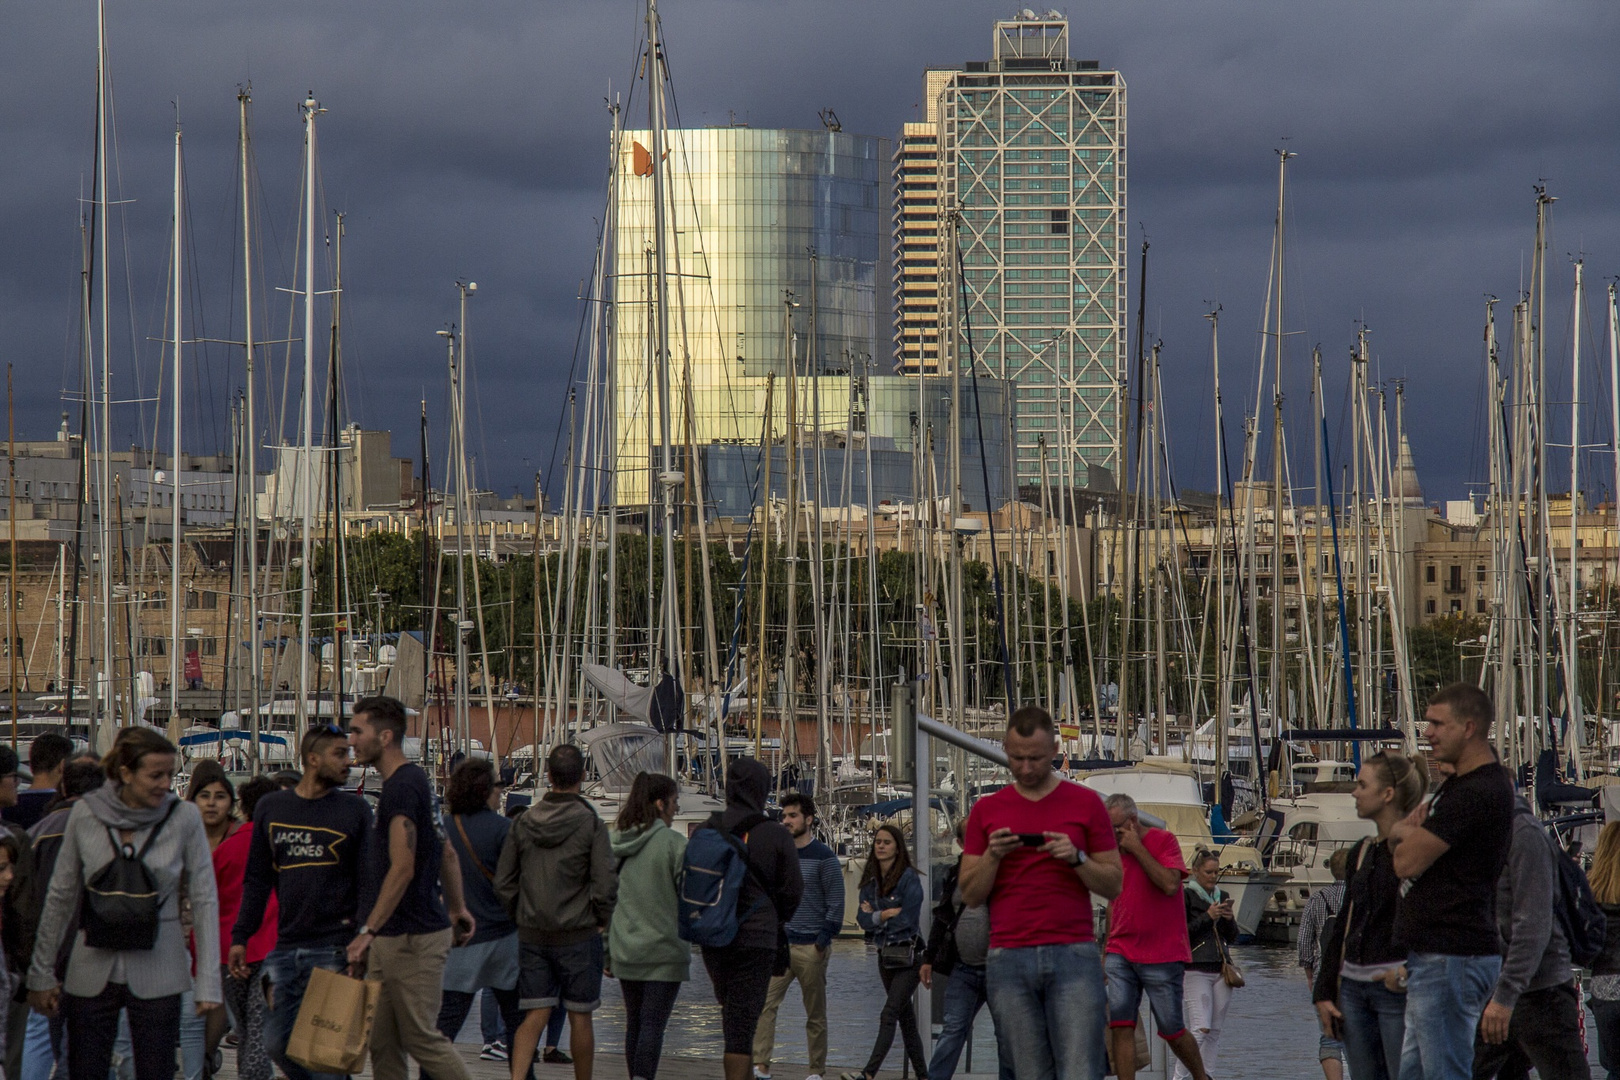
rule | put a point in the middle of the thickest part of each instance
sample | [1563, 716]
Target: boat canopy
[619, 751]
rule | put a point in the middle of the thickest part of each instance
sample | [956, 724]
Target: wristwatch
[1079, 858]
[364, 931]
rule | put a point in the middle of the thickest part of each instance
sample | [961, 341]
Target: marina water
[1270, 1033]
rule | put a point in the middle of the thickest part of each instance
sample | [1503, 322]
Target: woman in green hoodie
[646, 952]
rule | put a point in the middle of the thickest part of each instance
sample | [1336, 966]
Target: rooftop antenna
[829, 120]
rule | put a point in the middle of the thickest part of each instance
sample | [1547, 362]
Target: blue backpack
[715, 865]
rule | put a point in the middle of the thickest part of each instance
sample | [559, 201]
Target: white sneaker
[813, 1076]
[759, 1075]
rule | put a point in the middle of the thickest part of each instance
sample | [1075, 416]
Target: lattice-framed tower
[1031, 187]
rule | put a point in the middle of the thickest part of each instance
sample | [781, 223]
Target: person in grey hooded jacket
[556, 879]
[1533, 1017]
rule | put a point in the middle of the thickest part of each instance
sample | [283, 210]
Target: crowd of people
[148, 924]
[1437, 953]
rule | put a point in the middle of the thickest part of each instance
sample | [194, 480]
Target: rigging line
[585, 307]
[203, 381]
[1338, 576]
[738, 614]
[1242, 616]
[984, 469]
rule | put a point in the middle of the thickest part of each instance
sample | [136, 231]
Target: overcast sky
[469, 141]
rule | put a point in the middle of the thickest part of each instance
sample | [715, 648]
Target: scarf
[113, 812]
[1198, 890]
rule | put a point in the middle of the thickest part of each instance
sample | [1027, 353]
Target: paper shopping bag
[333, 1030]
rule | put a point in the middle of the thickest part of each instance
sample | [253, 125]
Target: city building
[370, 478]
[1031, 205]
[774, 246]
[916, 234]
[900, 427]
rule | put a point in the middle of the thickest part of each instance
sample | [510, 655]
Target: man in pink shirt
[1036, 851]
[1147, 941]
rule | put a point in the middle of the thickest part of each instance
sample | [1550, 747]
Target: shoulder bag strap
[152, 836]
[471, 854]
[1348, 908]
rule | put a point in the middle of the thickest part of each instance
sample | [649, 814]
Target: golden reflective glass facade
[750, 212]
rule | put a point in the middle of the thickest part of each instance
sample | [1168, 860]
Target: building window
[1428, 607]
[1479, 573]
[1479, 604]
[1060, 222]
[1429, 574]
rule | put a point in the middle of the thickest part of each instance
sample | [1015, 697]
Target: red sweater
[230, 866]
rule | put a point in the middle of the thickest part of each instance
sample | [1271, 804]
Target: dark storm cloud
[470, 141]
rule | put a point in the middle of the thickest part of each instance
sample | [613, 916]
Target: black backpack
[121, 903]
[1579, 917]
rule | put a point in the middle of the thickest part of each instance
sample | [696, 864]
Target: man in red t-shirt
[1035, 851]
[1147, 941]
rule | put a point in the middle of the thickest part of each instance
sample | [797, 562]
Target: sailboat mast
[459, 475]
[1279, 580]
[176, 520]
[1614, 398]
[667, 479]
[106, 712]
[306, 458]
[1538, 380]
[1572, 669]
[334, 467]
[610, 419]
[250, 441]
[1223, 686]
[11, 522]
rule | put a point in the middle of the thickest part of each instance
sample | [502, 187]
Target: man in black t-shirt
[307, 850]
[1449, 853]
[406, 939]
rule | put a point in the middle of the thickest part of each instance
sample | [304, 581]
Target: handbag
[333, 1031]
[897, 956]
[1231, 974]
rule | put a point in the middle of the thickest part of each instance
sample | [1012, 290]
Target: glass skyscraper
[1031, 205]
[750, 214]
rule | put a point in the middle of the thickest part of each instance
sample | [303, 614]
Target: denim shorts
[1162, 983]
[570, 975]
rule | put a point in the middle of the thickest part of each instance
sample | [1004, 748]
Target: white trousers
[1206, 997]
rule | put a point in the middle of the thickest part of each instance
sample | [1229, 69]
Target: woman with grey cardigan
[146, 983]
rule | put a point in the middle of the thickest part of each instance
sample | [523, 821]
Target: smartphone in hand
[1032, 839]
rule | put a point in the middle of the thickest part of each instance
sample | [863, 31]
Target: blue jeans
[490, 1025]
[964, 997]
[39, 1048]
[288, 971]
[1163, 985]
[1049, 1004]
[1445, 997]
[1374, 1027]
